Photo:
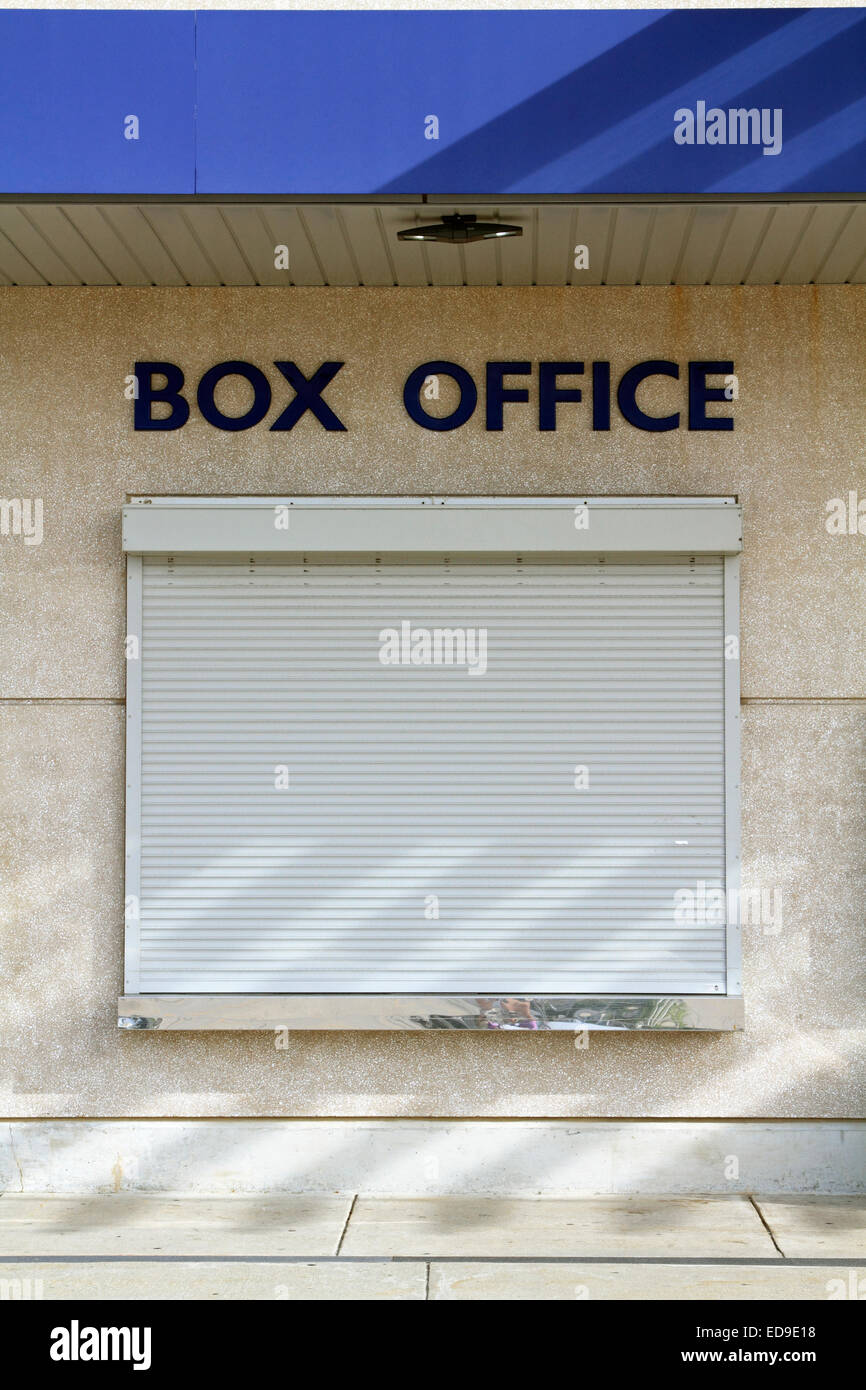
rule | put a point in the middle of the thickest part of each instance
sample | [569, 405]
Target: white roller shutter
[431, 837]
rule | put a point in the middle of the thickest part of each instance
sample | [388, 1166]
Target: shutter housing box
[317, 838]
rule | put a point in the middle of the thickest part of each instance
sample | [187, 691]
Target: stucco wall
[800, 439]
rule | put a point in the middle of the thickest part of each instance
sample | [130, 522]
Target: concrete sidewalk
[139, 1246]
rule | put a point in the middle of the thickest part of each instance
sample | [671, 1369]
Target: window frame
[473, 527]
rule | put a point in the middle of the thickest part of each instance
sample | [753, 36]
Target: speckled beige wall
[66, 437]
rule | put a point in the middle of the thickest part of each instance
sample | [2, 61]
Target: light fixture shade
[459, 228]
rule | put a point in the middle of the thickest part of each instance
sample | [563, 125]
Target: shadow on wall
[418, 1158]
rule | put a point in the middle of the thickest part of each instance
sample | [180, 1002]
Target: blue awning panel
[68, 83]
[526, 103]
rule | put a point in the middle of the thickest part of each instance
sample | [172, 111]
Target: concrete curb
[428, 1158]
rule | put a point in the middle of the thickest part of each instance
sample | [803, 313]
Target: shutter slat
[412, 781]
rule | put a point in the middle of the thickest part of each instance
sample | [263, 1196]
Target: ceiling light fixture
[458, 228]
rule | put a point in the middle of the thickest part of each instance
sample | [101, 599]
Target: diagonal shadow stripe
[807, 153]
[826, 118]
[835, 175]
[617, 101]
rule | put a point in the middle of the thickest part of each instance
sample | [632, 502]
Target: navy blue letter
[261, 396]
[601, 395]
[700, 393]
[497, 393]
[412, 395]
[309, 396]
[628, 388]
[142, 414]
[549, 393]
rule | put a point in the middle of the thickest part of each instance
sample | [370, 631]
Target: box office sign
[163, 397]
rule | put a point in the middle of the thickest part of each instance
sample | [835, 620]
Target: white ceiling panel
[593, 229]
[778, 244]
[238, 243]
[363, 230]
[17, 269]
[133, 229]
[183, 234]
[406, 257]
[818, 238]
[221, 248]
[257, 243]
[744, 236]
[517, 253]
[323, 228]
[847, 251]
[628, 245]
[481, 260]
[554, 251]
[40, 253]
[75, 250]
[704, 233]
[106, 242]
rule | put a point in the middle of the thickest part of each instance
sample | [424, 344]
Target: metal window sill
[544, 1013]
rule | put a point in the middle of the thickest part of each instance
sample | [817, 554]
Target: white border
[132, 924]
[427, 525]
[733, 846]
[210, 525]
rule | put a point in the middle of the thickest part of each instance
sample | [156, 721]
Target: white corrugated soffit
[433, 763]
